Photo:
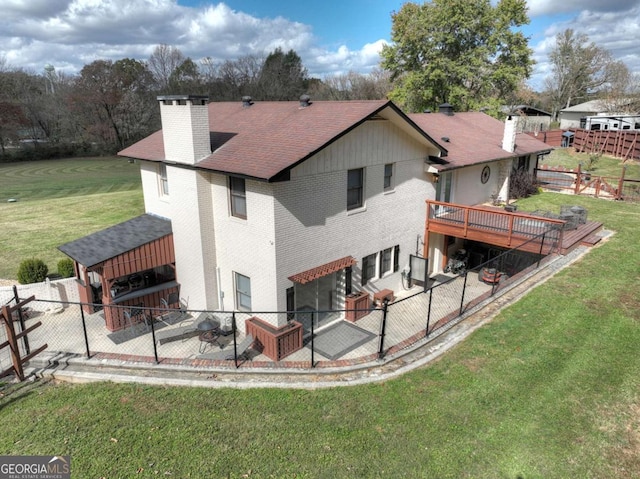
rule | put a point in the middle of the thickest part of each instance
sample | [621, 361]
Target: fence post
[153, 336]
[385, 307]
[464, 288]
[621, 183]
[235, 341]
[84, 331]
[312, 348]
[25, 339]
[541, 248]
[426, 333]
[13, 343]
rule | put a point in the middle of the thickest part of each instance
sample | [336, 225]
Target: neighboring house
[578, 116]
[283, 206]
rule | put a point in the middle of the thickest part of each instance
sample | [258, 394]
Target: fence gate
[9, 315]
[419, 271]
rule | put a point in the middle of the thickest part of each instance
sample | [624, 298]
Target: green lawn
[548, 389]
[605, 166]
[59, 201]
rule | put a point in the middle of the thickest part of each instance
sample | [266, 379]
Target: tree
[116, 99]
[162, 63]
[463, 52]
[186, 79]
[579, 70]
[352, 86]
[283, 77]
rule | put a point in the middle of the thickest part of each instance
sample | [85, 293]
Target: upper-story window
[355, 188]
[388, 177]
[164, 182]
[238, 197]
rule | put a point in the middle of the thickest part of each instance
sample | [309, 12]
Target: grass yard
[548, 389]
[605, 166]
[59, 201]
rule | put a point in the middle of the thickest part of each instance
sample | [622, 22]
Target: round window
[486, 173]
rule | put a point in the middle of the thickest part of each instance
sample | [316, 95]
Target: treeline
[111, 104]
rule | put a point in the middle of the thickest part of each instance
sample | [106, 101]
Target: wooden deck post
[13, 342]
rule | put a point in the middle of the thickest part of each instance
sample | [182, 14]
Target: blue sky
[331, 36]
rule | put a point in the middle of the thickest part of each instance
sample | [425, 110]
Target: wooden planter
[357, 306]
[275, 343]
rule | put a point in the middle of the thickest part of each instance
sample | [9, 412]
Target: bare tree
[163, 62]
[579, 70]
[353, 86]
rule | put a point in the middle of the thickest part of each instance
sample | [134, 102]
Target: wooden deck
[529, 232]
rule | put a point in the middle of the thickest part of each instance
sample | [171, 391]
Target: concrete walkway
[75, 368]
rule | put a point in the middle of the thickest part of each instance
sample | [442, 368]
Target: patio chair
[136, 319]
[242, 350]
[170, 314]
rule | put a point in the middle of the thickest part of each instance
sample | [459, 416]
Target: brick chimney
[510, 130]
[185, 127]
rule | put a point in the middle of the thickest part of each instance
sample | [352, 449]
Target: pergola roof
[324, 270]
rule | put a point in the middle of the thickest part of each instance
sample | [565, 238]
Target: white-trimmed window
[164, 182]
[386, 261]
[238, 197]
[388, 184]
[355, 188]
[243, 292]
[369, 268]
[376, 265]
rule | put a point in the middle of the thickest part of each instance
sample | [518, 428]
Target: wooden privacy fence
[623, 144]
[9, 315]
[619, 144]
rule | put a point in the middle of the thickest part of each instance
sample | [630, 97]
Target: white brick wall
[246, 246]
[313, 226]
[154, 202]
[192, 222]
[185, 131]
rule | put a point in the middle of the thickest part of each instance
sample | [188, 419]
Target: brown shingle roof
[268, 138]
[474, 137]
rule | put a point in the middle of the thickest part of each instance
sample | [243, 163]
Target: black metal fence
[218, 338]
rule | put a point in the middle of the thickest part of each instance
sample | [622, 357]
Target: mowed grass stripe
[60, 201]
[66, 177]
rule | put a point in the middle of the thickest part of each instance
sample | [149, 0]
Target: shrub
[65, 268]
[32, 271]
[522, 184]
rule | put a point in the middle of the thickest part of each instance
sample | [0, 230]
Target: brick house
[283, 206]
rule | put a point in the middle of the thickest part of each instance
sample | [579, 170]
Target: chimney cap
[446, 108]
[197, 98]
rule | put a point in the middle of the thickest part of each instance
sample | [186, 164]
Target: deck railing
[490, 224]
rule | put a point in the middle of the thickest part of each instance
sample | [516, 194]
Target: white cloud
[71, 33]
[612, 25]
[554, 7]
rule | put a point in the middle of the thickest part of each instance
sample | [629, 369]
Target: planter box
[275, 343]
[357, 306]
